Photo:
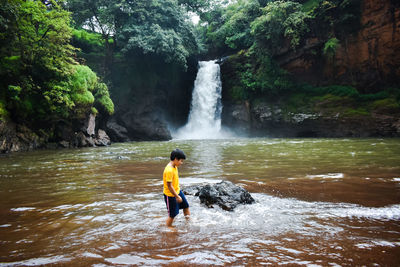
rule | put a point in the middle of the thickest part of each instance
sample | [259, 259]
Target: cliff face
[370, 58]
[149, 98]
[83, 133]
[274, 120]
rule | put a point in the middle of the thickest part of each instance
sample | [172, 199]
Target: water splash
[205, 112]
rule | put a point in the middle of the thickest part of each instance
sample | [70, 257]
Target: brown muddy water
[319, 202]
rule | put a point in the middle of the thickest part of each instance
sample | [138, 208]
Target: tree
[38, 66]
[38, 34]
[144, 26]
[99, 16]
[280, 19]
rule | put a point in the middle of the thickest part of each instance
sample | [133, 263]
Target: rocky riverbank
[17, 137]
[275, 120]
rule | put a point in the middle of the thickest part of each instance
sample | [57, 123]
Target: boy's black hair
[177, 154]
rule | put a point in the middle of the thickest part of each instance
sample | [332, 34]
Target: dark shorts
[173, 207]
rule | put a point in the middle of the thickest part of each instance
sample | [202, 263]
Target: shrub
[330, 47]
[87, 41]
[356, 112]
[341, 90]
[3, 111]
[103, 99]
[387, 104]
[83, 79]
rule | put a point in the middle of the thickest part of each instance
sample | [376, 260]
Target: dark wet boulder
[102, 139]
[117, 132]
[224, 194]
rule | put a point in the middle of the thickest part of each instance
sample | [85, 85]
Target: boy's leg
[186, 212]
[184, 205]
[169, 221]
[173, 209]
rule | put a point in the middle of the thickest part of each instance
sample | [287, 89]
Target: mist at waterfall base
[204, 120]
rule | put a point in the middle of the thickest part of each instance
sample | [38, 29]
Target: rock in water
[224, 194]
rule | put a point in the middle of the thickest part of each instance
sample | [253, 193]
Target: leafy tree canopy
[280, 19]
[233, 29]
[40, 80]
[145, 26]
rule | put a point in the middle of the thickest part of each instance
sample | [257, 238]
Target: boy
[173, 196]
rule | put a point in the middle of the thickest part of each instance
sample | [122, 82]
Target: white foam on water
[193, 181]
[203, 258]
[37, 261]
[91, 255]
[22, 209]
[128, 259]
[377, 243]
[327, 176]
[278, 215]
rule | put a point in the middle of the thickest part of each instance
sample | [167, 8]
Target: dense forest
[131, 65]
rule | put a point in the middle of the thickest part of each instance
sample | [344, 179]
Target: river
[319, 202]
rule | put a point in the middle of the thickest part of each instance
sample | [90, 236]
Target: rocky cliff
[368, 59]
[65, 134]
[275, 120]
[150, 99]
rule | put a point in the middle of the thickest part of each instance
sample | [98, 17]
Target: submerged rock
[224, 194]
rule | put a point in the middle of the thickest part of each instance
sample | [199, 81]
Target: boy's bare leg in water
[169, 221]
[186, 212]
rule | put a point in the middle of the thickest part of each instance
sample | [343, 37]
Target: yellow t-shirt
[171, 175]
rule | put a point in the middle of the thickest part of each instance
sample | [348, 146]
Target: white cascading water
[205, 111]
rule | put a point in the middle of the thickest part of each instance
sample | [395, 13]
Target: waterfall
[205, 112]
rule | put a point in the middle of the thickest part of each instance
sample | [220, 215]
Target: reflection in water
[318, 202]
[206, 157]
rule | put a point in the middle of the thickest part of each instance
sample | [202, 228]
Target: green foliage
[83, 99]
[88, 41]
[94, 111]
[198, 6]
[14, 91]
[35, 49]
[340, 90]
[338, 18]
[40, 80]
[76, 96]
[310, 5]
[257, 75]
[244, 23]
[83, 79]
[238, 92]
[386, 104]
[103, 100]
[97, 15]
[43, 37]
[280, 19]
[154, 39]
[3, 111]
[330, 47]
[373, 97]
[143, 26]
[356, 112]
[235, 29]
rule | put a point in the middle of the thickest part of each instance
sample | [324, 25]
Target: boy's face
[178, 162]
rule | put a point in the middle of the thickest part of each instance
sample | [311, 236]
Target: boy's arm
[172, 190]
